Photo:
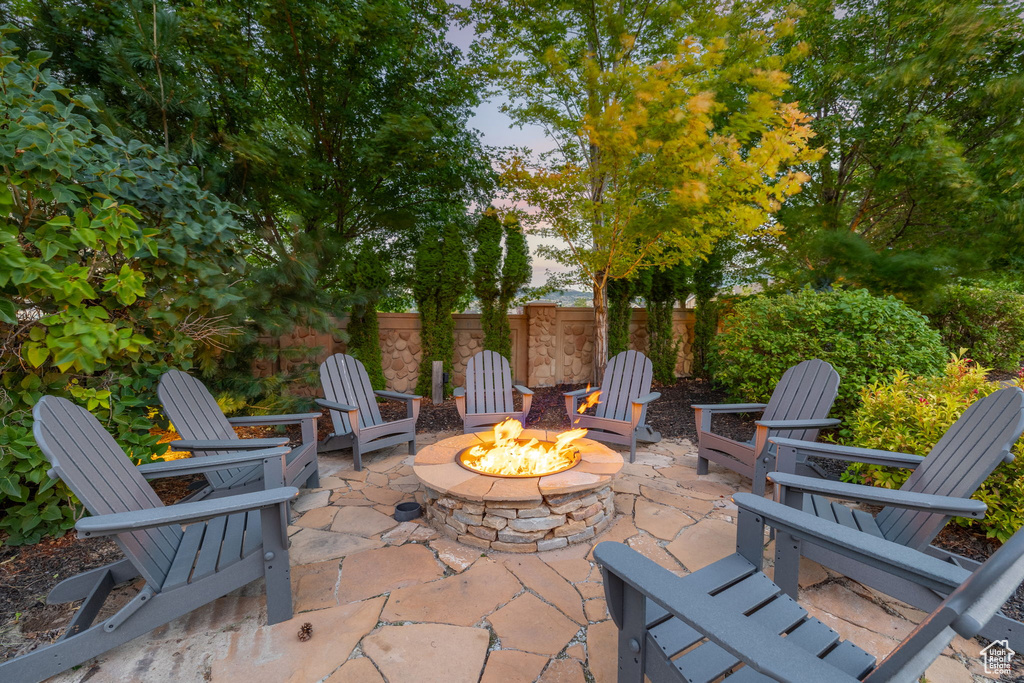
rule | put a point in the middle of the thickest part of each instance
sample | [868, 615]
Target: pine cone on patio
[306, 632]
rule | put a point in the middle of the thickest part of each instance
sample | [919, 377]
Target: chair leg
[276, 569]
[357, 457]
[632, 447]
[787, 563]
[702, 464]
[412, 445]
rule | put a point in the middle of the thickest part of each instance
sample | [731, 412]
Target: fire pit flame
[510, 457]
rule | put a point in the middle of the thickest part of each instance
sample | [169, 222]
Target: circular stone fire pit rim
[460, 459]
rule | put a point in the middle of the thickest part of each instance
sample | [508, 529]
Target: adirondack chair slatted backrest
[626, 377]
[194, 412]
[978, 598]
[93, 466]
[805, 392]
[344, 380]
[488, 384]
[961, 460]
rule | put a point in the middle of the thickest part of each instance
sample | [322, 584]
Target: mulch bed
[28, 573]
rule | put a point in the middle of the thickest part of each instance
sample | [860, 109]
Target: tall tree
[439, 282]
[918, 104]
[662, 288]
[367, 284]
[497, 277]
[668, 126]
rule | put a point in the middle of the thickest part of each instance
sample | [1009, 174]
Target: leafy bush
[910, 415]
[988, 322]
[866, 339]
[114, 263]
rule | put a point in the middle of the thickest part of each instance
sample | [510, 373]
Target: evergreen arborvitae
[439, 282]
[707, 278]
[368, 282]
[496, 280]
[620, 313]
[662, 288]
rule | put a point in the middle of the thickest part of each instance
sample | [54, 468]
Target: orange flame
[590, 401]
[507, 456]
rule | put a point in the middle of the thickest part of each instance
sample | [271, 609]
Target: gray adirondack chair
[347, 390]
[939, 488]
[225, 543]
[621, 415]
[729, 621]
[195, 415]
[486, 399]
[797, 409]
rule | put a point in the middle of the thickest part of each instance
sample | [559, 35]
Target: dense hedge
[910, 415]
[988, 322]
[866, 339]
[114, 263]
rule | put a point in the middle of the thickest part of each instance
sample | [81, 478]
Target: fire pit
[518, 490]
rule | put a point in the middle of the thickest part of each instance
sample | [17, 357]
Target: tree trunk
[600, 329]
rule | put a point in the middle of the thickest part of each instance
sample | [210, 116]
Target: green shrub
[910, 415]
[866, 339]
[114, 265]
[988, 322]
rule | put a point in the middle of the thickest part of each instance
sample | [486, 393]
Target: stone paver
[428, 653]
[311, 545]
[418, 606]
[528, 624]
[463, 600]
[274, 653]
[510, 666]
[705, 542]
[359, 670]
[658, 520]
[563, 671]
[379, 571]
[549, 585]
[361, 522]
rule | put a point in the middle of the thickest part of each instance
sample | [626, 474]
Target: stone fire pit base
[518, 515]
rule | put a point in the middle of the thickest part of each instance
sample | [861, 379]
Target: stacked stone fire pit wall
[518, 514]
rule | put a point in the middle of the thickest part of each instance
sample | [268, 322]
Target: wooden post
[437, 381]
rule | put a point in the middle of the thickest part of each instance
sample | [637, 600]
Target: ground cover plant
[910, 414]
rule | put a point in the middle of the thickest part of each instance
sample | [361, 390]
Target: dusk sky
[497, 130]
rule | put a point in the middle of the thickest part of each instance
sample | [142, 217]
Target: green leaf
[8, 312]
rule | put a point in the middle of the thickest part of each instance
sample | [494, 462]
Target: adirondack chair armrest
[210, 463]
[523, 390]
[730, 407]
[895, 558]
[799, 424]
[199, 446]
[747, 640]
[646, 398]
[789, 448]
[398, 396]
[911, 500]
[412, 401]
[581, 392]
[334, 405]
[459, 392]
[182, 513]
[257, 420]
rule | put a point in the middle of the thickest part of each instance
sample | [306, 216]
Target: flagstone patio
[399, 603]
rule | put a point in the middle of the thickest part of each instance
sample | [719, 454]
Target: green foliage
[668, 122]
[368, 281]
[662, 287]
[621, 293]
[114, 265]
[497, 279]
[917, 103]
[910, 414]
[988, 322]
[708, 274]
[440, 283]
[865, 338]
